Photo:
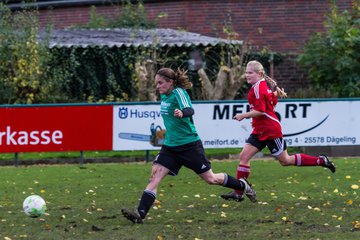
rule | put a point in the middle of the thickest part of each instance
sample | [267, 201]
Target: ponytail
[258, 67]
[274, 87]
[182, 80]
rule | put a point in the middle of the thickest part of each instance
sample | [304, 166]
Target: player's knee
[243, 159]
[156, 175]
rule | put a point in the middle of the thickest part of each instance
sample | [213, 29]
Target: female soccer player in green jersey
[182, 145]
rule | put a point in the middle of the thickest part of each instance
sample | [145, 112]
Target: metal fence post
[147, 157]
[16, 159]
[81, 159]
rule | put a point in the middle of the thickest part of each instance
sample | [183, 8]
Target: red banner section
[55, 128]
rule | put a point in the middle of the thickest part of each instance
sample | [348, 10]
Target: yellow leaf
[348, 177]
[336, 190]
[354, 186]
[283, 218]
[349, 202]
[356, 224]
[225, 205]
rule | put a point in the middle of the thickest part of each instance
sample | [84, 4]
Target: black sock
[233, 183]
[147, 200]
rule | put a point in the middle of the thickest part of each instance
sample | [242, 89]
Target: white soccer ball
[34, 206]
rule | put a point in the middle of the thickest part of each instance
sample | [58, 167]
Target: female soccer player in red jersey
[267, 131]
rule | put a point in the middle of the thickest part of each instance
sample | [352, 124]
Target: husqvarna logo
[123, 112]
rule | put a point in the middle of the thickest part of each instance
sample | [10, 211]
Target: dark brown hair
[180, 77]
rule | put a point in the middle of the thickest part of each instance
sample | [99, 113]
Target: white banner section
[304, 123]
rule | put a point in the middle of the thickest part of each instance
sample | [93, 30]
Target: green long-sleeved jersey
[179, 131]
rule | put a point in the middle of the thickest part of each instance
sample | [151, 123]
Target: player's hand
[238, 117]
[178, 113]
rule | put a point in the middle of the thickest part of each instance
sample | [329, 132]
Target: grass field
[85, 203]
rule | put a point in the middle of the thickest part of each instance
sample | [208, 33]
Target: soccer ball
[34, 206]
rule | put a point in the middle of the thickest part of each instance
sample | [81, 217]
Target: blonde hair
[258, 68]
[180, 77]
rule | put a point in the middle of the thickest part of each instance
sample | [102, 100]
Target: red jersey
[262, 99]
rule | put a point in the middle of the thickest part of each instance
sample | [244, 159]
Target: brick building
[278, 25]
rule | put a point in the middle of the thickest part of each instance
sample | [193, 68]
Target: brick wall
[282, 26]
[279, 25]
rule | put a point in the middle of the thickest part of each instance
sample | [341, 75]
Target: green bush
[25, 74]
[333, 57]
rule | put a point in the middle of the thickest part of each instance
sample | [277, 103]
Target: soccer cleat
[249, 191]
[233, 195]
[328, 164]
[132, 215]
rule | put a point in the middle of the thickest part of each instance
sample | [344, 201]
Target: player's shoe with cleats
[249, 191]
[328, 163]
[233, 195]
[132, 215]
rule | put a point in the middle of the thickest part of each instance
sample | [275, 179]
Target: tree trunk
[227, 83]
[145, 75]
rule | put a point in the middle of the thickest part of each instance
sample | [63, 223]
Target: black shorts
[276, 146]
[190, 155]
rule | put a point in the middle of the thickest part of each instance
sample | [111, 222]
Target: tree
[230, 76]
[333, 57]
[22, 58]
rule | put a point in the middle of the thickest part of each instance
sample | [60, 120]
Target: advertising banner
[304, 123]
[55, 128]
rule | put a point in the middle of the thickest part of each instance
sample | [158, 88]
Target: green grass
[94, 154]
[115, 154]
[85, 203]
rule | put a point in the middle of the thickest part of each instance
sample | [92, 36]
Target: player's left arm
[186, 109]
[185, 112]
